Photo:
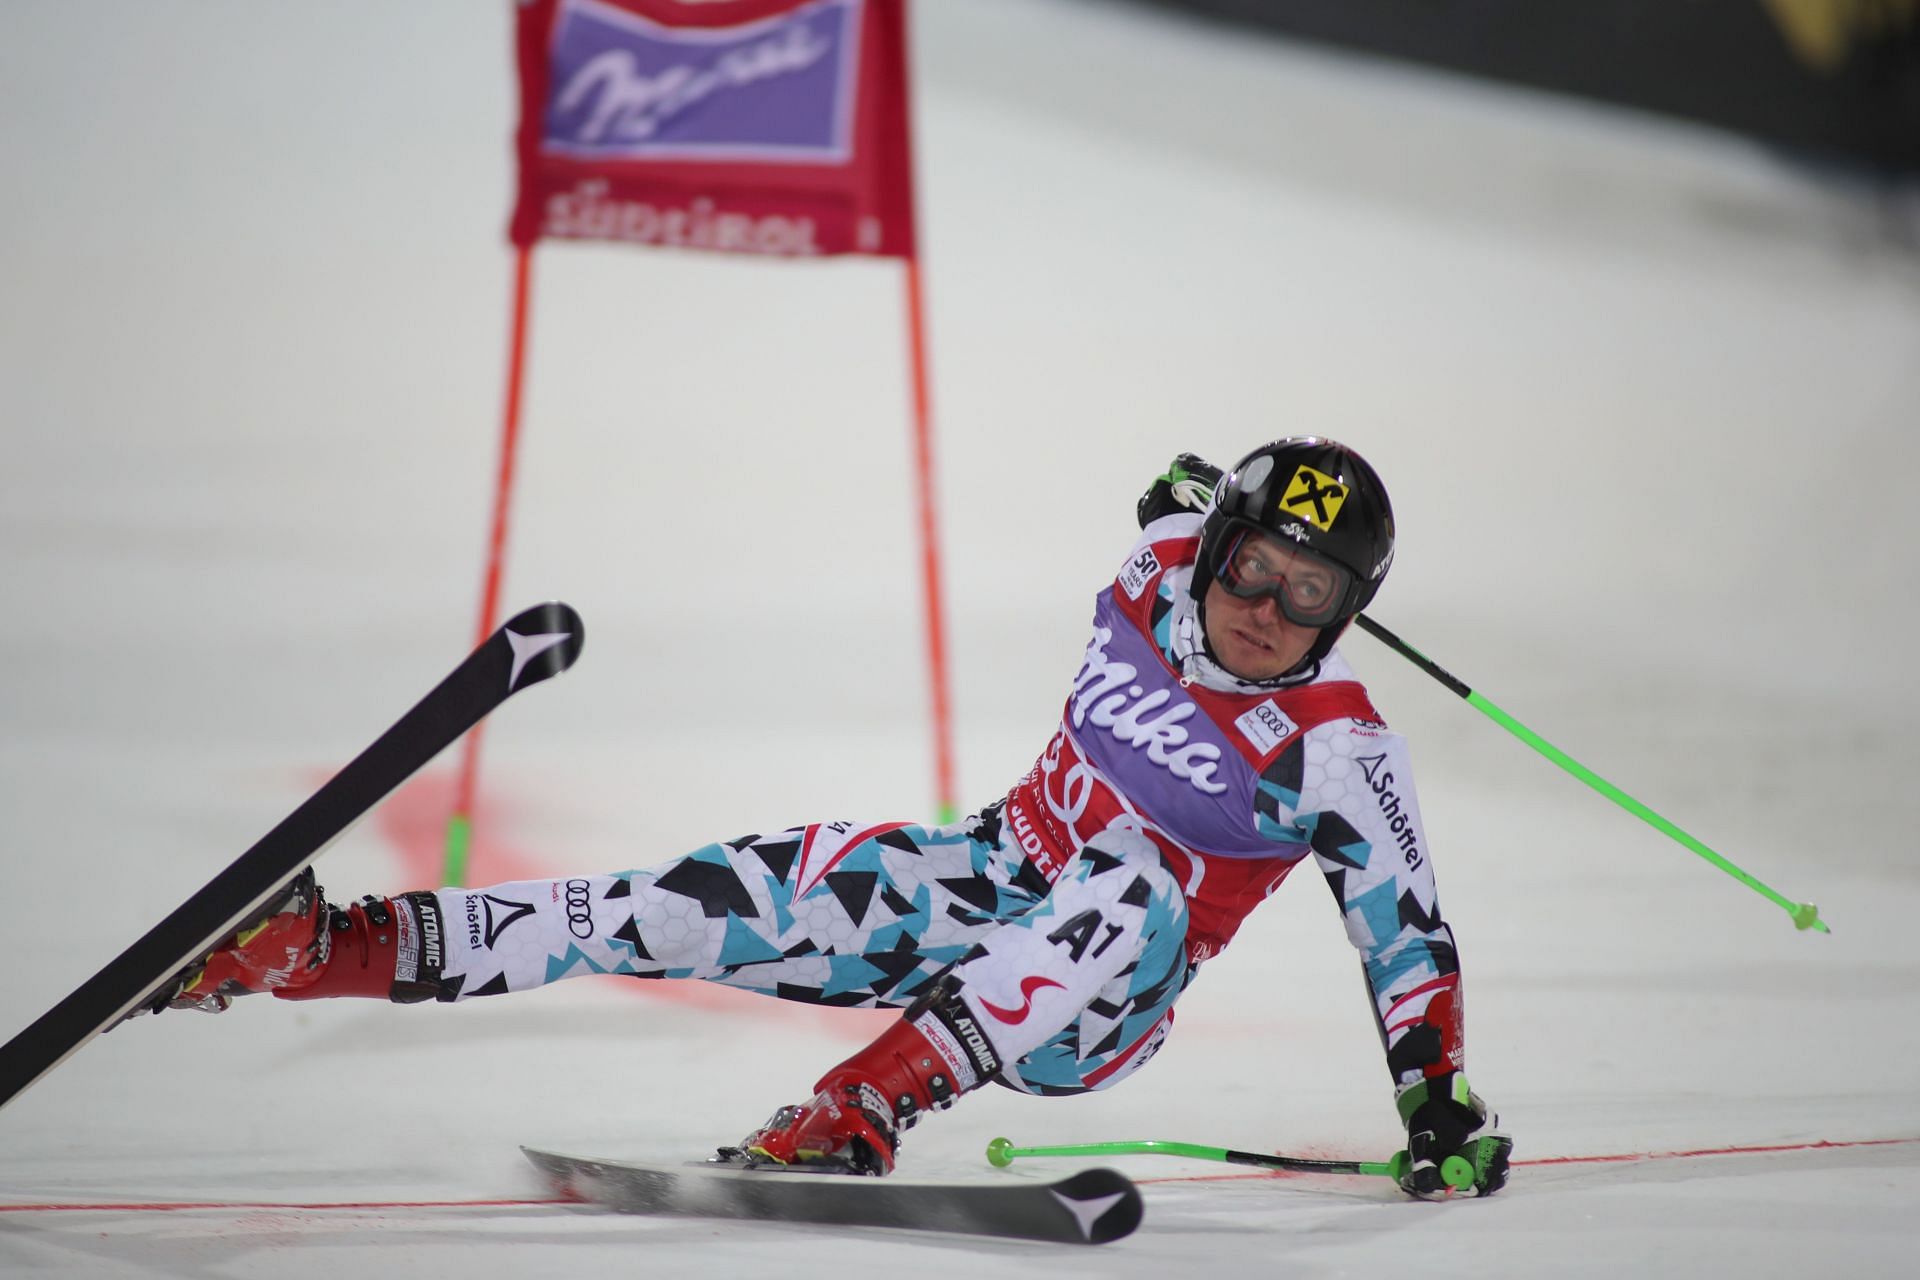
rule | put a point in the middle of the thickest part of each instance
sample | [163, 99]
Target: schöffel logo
[484, 924]
[780, 90]
[1397, 812]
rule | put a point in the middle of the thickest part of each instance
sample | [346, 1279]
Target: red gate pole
[460, 823]
[923, 470]
[924, 490]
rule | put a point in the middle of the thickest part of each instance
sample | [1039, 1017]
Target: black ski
[532, 646]
[1094, 1206]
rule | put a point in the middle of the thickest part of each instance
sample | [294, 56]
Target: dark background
[1837, 80]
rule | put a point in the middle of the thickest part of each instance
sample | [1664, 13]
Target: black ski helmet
[1314, 493]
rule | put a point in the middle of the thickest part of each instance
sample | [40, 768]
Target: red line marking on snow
[186, 1206]
[180, 1206]
[1622, 1158]
[1821, 1145]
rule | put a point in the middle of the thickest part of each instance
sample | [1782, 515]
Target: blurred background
[1623, 301]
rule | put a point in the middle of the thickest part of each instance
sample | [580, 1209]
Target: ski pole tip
[1000, 1152]
[1807, 916]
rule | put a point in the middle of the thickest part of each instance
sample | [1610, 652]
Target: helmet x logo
[1313, 496]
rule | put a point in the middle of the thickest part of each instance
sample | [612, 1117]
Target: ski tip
[551, 1174]
[548, 1163]
[541, 642]
[1104, 1201]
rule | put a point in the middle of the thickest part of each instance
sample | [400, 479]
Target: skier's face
[1252, 638]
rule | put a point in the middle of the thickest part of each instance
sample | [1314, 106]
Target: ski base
[1095, 1206]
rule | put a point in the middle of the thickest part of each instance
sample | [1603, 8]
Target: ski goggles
[1310, 589]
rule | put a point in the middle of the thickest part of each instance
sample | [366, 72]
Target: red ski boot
[853, 1123]
[300, 948]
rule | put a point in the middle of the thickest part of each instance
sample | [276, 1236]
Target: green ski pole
[1455, 1171]
[1804, 914]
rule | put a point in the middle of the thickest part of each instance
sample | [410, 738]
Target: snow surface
[1646, 396]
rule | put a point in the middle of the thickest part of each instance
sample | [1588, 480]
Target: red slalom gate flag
[741, 126]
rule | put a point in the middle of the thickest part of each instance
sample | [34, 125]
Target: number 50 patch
[1138, 573]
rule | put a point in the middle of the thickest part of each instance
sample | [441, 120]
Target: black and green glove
[1187, 486]
[1454, 1144]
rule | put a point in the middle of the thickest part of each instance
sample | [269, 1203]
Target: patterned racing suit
[1076, 909]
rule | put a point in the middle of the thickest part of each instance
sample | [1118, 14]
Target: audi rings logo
[579, 913]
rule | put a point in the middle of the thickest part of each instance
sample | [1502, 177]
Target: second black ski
[1094, 1206]
[532, 646]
